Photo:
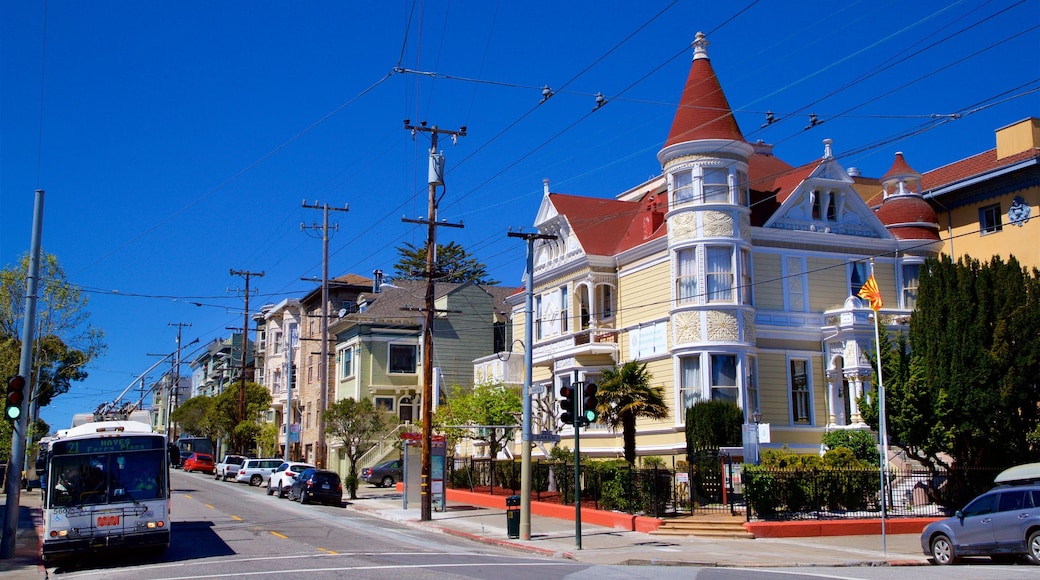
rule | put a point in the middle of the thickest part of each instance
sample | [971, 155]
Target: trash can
[513, 516]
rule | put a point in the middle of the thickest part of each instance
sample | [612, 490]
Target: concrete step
[707, 526]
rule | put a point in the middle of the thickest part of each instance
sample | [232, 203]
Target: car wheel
[1033, 548]
[303, 498]
[281, 492]
[270, 490]
[256, 480]
[215, 476]
[942, 550]
[386, 482]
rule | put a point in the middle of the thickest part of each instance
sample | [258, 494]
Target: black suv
[317, 485]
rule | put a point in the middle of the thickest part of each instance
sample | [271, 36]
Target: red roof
[909, 217]
[607, 226]
[899, 167]
[970, 167]
[704, 112]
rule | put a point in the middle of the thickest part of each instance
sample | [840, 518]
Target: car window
[1032, 499]
[1012, 500]
[985, 504]
[282, 467]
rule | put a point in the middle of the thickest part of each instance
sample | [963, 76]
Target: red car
[200, 462]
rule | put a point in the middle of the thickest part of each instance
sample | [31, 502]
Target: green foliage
[625, 395]
[267, 440]
[196, 416]
[860, 444]
[561, 453]
[968, 387]
[357, 426]
[224, 416]
[713, 424]
[652, 461]
[793, 483]
[454, 264]
[484, 404]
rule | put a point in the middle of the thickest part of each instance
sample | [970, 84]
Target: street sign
[545, 437]
[536, 389]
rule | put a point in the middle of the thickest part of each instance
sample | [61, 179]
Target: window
[911, 278]
[346, 363]
[538, 317]
[716, 185]
[746, 294]
[720, 274]
[261, 340]
[385, 404]
[800, 400]
[724, 377]
[277, 341]
[816, 205]
[606, 301]
[686, 278]
[690, 388]
[857, 277]
[403, 358]
[742, 188]
[682, 187]
[989, 219]
[795, 284]
[832, 208]
[563, 309]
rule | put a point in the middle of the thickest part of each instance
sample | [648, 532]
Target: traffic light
[589, 405]
[567, 400]
[15, 397]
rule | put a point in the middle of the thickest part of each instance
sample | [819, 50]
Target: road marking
[386, 567]
[236, 518]
[273, 533]
[187, 496]
[209, 506]
[327, 551]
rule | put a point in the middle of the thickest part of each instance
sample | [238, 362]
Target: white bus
[108, 486]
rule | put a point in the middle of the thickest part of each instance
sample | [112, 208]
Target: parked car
[228, 468]
[384, 474]
[317, 485]
[256, 471]
[1003, 523]
[199, 462]
[183, 456]
[282, 478]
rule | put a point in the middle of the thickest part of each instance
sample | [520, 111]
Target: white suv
[257, 471]
[282, 478]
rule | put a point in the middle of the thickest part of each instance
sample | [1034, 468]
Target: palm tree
[625, 394]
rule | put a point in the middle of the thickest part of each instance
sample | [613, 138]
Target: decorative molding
[718, 224]
[682, 226]
[745, 226]
[722, 326]
[686, 326]
[749, 326]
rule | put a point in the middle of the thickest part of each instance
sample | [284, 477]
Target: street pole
[18, 442]
[436, 177]
[579, 388]
[323, 363]
[245, 344]
[525, 457]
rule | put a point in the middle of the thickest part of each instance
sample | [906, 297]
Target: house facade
[733, 275]
[278, 348]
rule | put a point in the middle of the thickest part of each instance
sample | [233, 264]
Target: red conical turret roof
[704, 112]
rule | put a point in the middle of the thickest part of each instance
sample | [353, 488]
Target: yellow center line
[187, 496]
[279, 535]
[209, 506]
[236, 518]
[327, 551]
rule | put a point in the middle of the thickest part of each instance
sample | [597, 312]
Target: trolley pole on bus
[18, 439]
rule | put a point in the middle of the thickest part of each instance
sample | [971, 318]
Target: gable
[827, 201]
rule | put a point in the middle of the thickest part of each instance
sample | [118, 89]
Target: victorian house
[733, 275]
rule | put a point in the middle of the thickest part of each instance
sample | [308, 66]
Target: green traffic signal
[590, 405]
[15, 397]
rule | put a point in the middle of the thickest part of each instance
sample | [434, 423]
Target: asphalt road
[230, 530]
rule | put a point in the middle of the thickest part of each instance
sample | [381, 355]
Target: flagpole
[882, 426]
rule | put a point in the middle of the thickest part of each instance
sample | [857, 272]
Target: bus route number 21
[103, 521]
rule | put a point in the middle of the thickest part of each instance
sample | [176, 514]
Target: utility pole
[245, 343]
[177, 366]
[323, 362]
[436, 177]
[525, 457]
[18, 437]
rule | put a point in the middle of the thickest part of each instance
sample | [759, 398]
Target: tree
[225, 414]
[625, 395]
[454, 264]
[967, 381]
[267, 440]
[357, 426]
[196, 416]
[65, 339]
[485, 408]
[713, 423]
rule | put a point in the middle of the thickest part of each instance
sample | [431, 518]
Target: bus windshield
[106, 478]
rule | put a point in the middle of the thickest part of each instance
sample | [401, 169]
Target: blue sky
[177, 140]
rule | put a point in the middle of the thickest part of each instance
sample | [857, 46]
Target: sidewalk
[605, 546]
[26, 562]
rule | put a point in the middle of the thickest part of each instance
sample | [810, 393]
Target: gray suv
[257, 471]
[1003, 523]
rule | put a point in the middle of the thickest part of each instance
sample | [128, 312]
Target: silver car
[1003, 523]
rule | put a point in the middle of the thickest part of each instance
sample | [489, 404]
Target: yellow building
[732, 275]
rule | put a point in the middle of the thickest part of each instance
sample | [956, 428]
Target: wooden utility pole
[436, 177]
[245, 343]
[323, 363]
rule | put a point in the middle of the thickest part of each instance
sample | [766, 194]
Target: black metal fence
[788, 494]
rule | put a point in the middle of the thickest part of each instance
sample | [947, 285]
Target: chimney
[377, 281]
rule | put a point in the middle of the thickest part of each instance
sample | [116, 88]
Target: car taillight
[242, 472]
[310, 483]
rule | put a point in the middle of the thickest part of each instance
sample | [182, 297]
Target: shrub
[713, 423]
[860, 443]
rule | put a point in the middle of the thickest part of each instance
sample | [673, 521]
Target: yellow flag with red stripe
[871, 293]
